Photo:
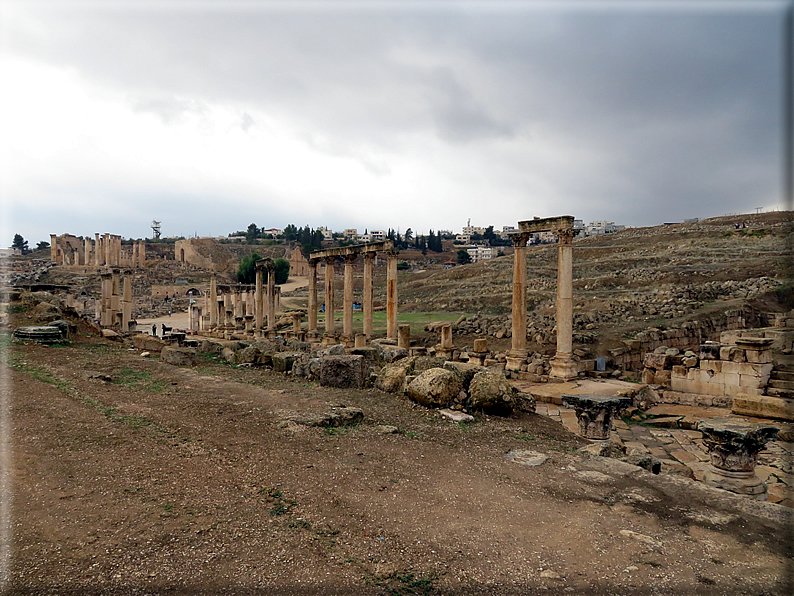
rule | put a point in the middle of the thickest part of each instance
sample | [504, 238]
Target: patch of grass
[41, 374]
[280, 505]
[299, 523]
[406, 583]
[407, 433]
[527, 437]
[138, 379]
[17, 308]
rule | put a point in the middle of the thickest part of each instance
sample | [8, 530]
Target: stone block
[712, 365]
[758, 356]
[147, 342]
[662, 377]
[178, 356]
[282, 361]
[656, 361]
[731, 379]
[679, 371]
[648, 376]
[342, 371]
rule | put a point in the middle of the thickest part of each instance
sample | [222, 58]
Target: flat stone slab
[527, 457]
[594, 401]
[553, 392]
[456, 416]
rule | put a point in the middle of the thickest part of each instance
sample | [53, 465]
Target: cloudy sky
[209, 116]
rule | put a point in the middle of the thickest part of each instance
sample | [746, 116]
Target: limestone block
[435, 388]
[648, 376]
[690, 361]
[662, 377]
[759, 356]
[763, 406]
[656, 361]
[178, 356]
[391, 379]
[712, 365]
[678, 371]
[147, 342]
[731, 379]
[342, 371]
[282, 361]
[753, 381]
[490, 391]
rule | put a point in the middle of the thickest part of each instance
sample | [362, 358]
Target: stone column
[369, 258]
[347, 325]
[404, 337]
[259, 304]
[213, 302]
[562, 365]
[296, 323]
[391, 295]
[312, 307]
[106, 291]
[329, 295]
[126, 304]
[518, 353]
[53, 248]
[142, 253]
[115, 297]
[97, 250]
[271, 297]
[86, 251]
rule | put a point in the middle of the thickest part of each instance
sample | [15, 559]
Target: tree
[252, 233]
[246, 272]
[409, 234]
[281, 271]
[43, 246]
[463, 257]
[20, 243]
[290, 233]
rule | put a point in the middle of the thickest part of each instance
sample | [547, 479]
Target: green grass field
[417, 321]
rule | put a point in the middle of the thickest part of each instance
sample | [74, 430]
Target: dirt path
[189, 481]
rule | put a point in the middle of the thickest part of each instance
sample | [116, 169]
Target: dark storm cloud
[635, 116]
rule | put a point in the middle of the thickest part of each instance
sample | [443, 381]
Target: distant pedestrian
[154, 330]
[169, 313]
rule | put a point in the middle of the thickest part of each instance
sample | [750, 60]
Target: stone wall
[689, 335]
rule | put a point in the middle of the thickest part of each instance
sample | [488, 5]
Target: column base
[445, 353]
[329, 340]
[564, 367]
[514, 362]
[742, 483]
[347, 341]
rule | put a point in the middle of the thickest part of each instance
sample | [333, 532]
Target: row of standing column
[347, 307]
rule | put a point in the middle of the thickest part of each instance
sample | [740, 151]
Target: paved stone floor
[681, 450]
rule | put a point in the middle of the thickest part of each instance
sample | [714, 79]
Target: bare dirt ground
[154, 479]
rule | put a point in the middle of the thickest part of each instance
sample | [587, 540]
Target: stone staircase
[781, 380]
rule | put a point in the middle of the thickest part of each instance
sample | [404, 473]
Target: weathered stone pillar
[97, 250]
[367, 301]
[105, 319]
[296, 322]
[142, 253]
[391, 295]
[347, 325]
[53, 248]
[518, 353]
[271, 297]
[360, 341]
[312, 307]
[126, 304]
[213, 302]
[86, 251]
[277, 297]
[329, 295]
[404, 337]
[259, 304]
[115, 297]
[563, 365]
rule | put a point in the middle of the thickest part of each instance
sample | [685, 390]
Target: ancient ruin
[563, 365]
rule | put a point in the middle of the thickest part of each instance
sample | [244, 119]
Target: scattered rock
[178, 356]
[456, 416]
[342, 371]
[435, 388]
[489, 391]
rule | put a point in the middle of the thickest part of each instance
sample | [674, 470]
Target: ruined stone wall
[205, 253]
[689, 335]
